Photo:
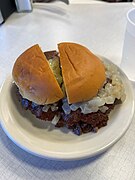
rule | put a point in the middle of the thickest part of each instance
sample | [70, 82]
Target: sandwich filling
[81, 117]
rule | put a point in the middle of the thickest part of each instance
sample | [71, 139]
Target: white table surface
[101, 28]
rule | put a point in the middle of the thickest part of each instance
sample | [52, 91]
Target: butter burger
[72, 88]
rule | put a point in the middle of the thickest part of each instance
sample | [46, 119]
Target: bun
[83, 72]
[34, 77]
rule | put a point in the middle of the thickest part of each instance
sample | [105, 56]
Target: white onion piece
[109, 100]
[54, 108]
[73, 107]
[66, 108]
[85, 110]
[96, 101]
[94, 108]
[123, 97]
[103, 109]
[45, 108]
[55, 119]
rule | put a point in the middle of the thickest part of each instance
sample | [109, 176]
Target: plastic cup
[128, 55]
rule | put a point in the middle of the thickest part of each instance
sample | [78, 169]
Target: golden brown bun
[35, 79]
[83, 72]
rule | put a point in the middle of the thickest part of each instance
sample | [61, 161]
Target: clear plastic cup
[128, 55]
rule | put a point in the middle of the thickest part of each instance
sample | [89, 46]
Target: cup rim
[129, 19]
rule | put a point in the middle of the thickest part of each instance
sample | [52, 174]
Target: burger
[71, 88]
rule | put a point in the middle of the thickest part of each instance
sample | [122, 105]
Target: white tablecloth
[101, 28]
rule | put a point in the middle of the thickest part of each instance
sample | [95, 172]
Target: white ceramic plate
[41, 139]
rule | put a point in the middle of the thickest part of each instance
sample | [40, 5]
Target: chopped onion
[55, 120]
[96, 101]
[85, 110]
[66, 108]
[73, 107]
[109, 100]
[103, 109]
[34, 105]
[45, 108]
[107, 94]
[38, 111]
[54, 108]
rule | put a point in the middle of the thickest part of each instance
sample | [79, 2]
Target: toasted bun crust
[35, 79]
[83, 72]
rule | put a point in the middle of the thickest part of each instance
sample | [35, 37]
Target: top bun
[34, 77]
[83, 72]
